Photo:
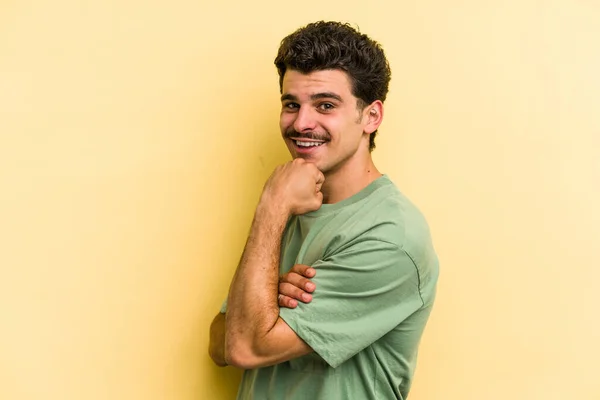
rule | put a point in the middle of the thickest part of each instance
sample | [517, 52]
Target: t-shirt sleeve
[362, 293]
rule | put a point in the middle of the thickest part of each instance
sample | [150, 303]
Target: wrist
[272, 207]
[270, 217]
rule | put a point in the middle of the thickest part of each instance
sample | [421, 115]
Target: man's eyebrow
[327, 95]
[287, 96]
[316, 96]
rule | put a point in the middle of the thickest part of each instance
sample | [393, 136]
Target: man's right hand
[296, 286]
[295, 187]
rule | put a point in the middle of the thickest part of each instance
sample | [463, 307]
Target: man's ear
[374, 115]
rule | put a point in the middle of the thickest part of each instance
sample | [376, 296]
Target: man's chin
[311, 160]
[306, 157]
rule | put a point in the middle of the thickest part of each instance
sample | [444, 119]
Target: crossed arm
[251, 334]
[294, 286]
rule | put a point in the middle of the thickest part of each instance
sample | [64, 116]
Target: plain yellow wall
[135, 137]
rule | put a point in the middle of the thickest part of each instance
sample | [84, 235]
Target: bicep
[279, 344]
[283, 344]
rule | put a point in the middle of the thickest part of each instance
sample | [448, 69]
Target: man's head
[333, 82]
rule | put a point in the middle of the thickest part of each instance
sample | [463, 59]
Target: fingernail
[306, 297]
[310, 286]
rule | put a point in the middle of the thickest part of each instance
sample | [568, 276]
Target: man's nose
[305, 120]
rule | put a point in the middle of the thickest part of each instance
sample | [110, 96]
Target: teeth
[308, 144]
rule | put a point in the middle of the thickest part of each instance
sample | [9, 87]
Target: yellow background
[135, 137]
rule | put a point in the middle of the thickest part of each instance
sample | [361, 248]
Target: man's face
[319, 120]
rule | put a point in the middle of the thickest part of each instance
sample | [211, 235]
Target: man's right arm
[216, 347]
[294, 286]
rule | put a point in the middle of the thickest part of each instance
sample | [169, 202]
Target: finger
[298, 281]
[320, 177]
[285, 301]
[289, 290]
[304, 270]
[319, 196]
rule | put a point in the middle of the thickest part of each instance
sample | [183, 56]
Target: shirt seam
[414, 264]
[418, 275]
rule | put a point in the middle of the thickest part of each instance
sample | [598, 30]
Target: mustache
[307, 135]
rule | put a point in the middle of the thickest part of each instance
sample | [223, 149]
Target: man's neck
[351, 178]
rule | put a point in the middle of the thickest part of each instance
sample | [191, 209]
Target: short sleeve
[363, 292]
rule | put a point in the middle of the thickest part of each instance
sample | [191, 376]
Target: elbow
[216, 344]
[240, 355]
[217, 357]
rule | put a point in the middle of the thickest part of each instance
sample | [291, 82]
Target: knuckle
[284, 289]
[291, 276]
[296, 269]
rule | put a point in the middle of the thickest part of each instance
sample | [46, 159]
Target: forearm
[252, 309]
[216, 348]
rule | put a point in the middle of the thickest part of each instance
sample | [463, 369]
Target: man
[329, 215]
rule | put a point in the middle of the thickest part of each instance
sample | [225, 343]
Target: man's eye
[326, 106]
[291, 106]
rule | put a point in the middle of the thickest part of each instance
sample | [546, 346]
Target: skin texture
[317, 107]
[296, 285]
[321, 107]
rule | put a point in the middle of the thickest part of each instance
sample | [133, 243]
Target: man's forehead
[297, 83]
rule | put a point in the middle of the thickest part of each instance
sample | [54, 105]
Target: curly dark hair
[334, 45]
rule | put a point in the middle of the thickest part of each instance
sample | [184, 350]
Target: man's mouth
[301, 143]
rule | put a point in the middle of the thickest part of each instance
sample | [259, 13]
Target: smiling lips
[306, 146]
[306, 142]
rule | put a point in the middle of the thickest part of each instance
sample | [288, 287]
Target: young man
[329, 215]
